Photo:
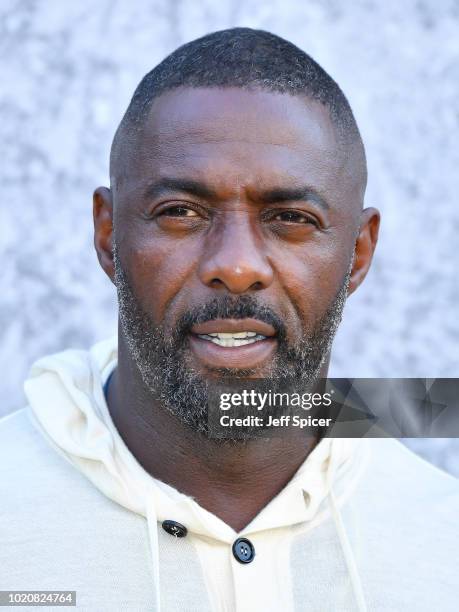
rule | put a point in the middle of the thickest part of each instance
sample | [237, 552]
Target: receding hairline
[127, 135]
[248, 59]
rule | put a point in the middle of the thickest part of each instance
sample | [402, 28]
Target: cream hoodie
[363, 524]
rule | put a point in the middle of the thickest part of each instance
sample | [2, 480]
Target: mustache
[220, 307]
[230, 307]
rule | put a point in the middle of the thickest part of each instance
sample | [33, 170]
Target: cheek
[310, 277]
[161, 272]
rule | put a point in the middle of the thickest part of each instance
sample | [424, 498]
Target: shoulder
[408, 506]
[394, 467]
[21, 445]
[401, 521]
[35, 475]
[54, 522]
[400, 484]
[24, 452]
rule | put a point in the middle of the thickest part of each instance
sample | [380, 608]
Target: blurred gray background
[67, 71]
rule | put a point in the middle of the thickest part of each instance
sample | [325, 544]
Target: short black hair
[245, 58]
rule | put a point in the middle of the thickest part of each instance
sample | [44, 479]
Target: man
[234, 230]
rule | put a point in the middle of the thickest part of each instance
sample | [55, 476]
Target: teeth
[232, 340]
[225, 335]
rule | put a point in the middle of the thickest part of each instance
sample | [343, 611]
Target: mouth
[233, 343]
[231, 340]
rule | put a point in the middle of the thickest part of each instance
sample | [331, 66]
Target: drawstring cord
[343, 538]
[152, 523]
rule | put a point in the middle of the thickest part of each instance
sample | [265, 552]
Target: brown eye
[294, 216]
[179, 211]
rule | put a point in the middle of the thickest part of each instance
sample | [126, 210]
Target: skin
[242, 236]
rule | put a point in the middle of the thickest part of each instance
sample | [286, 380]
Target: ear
[103, 229]
[364, 246]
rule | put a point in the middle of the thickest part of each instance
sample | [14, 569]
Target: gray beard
[161, 356]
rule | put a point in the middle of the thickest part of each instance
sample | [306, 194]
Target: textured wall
[67, 71]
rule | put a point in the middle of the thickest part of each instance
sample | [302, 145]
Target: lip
[234, 325]
[238, 357]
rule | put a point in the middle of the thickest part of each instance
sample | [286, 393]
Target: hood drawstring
[152, 523]
[341, 531]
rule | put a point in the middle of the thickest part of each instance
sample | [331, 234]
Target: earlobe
[103, 229]
[364, 247]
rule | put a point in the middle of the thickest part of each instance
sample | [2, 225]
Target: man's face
[236, 213]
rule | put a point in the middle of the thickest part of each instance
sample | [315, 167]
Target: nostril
[216, 282]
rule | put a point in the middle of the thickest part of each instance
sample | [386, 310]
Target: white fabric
[363, 525]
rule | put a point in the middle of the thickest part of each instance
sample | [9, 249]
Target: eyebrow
[166, 185]
[296, 194]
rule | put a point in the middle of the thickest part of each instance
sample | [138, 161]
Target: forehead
[230, 137]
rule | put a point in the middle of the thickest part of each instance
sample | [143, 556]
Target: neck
[234, 481]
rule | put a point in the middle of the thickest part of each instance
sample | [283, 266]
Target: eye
[179, 211]
[294, 216]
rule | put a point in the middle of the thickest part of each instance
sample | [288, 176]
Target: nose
[233, 257]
